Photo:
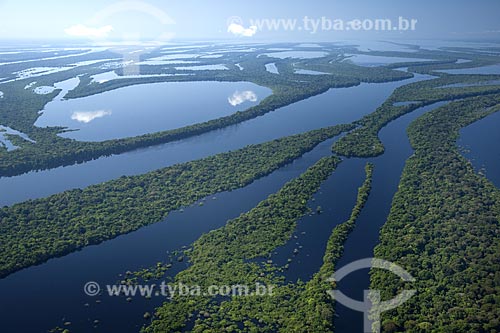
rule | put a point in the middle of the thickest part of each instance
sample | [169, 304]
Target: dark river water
[361, 242]
[480, 141]
[148, 108]
[337, 197]
[52, 293]
[42, 297]
[336, 106]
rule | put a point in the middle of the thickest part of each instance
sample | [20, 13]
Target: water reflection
[202, 68]
[108, 76]
[43, 90]
[240, 97]
[104, 77]
[271, 68]
[479, 144]
[484, 70]
[87, 116]
[373, 61]
[5, 142]
[147, 108]
[296, 118]
[309, 72]
[296, 54]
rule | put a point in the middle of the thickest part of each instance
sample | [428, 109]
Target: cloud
[80, 30]
[240, 97]
[239, 30]
[88, 116]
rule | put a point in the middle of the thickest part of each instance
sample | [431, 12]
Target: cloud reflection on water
[240, 97]
[87, 116]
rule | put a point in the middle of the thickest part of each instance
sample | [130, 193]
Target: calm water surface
[147, 108]
[480, 140]
[336, 106]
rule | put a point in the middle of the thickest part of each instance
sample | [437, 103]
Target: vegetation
[443, 225]
[443, 228]
[364, 141]
[51, 150]
[344, 69]
[221, 257]
[19, 109]
[36, 230]
[340, 233]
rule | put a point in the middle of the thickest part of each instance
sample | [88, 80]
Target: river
[480, 140]
[361, 242]
[52, 293]
[337, 197]
[335, 106]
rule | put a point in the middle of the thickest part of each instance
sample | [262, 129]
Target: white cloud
[88, 116]
[240, 97]
[239, 30]
[81, 30]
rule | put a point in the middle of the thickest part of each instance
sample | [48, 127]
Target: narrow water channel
[361, 242]
[52, 293]
[336, 198]
[480, 141]
[335, 106]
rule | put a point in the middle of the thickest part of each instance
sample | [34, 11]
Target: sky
[234, 20]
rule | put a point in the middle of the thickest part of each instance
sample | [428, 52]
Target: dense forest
[20, 108]
[36, 230]
[364, 141]
[443, 228]
[222, 257]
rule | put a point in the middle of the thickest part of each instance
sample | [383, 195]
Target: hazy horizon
[196, 20]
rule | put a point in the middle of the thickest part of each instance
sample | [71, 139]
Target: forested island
[34, 231]
[443, 225]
